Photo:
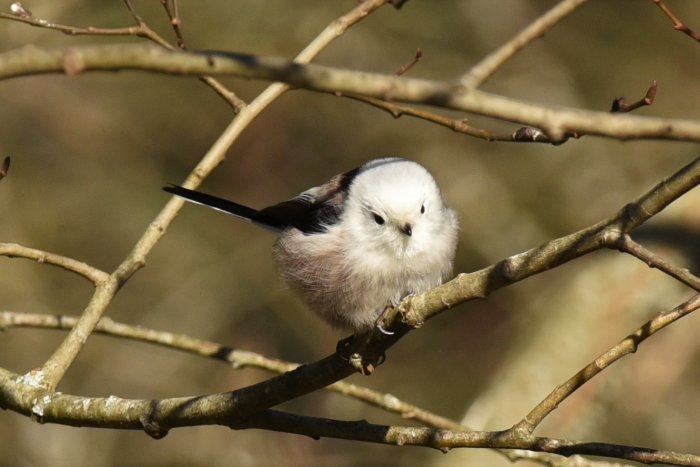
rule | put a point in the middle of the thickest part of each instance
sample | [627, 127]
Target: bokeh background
[89, 154]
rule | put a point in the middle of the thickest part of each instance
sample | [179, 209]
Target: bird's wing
[316, 208]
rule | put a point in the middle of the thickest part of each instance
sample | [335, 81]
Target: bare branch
[556, 122]
[492, 62]
[134, 14]
[140, 30]
[156, 418]
[621, 105]
[446, 440]
[678, 25]
[407, 66]
[530, 134]
[171, 10]
[237, 358]
[627, 245]
[94, 275]
[458, 125]
[625, 347]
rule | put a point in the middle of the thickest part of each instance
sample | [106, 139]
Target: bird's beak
[407, 229]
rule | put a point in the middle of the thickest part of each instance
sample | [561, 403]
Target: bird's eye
[378, 219]
[422, 208]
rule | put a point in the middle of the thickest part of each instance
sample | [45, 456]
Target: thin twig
[458, 125]
[236, 103]
[535, 135]
[171, 10]
[492, 62]
[140, 30]
[627, 245]
[407, 66]
[134, 14]
[625, 347]
[76, 31]
[621, 105]
[94, 275]
[678, 25]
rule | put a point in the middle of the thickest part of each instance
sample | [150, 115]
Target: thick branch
[235, 357]
[556, 122]
[19, 393]
[242, 358]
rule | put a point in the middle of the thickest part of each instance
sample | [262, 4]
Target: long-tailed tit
[363, 240]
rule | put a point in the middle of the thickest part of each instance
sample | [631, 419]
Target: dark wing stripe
[286, 213]
[322, 206]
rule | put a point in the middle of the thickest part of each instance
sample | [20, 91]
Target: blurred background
[89, 154]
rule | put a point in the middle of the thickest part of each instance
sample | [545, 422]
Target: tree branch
[94, 275]
[20, 394]
[620, 104]
[556, 122]
[445, 440]
[678, 25]
[141, 29]
[625, 244]
[492, 62]
[237, 358]
[625, 347]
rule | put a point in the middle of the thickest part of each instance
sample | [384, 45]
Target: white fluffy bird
[363, 240]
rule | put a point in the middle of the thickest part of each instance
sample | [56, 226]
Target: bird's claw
[345, 350]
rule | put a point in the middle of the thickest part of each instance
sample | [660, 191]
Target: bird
[360, 242]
